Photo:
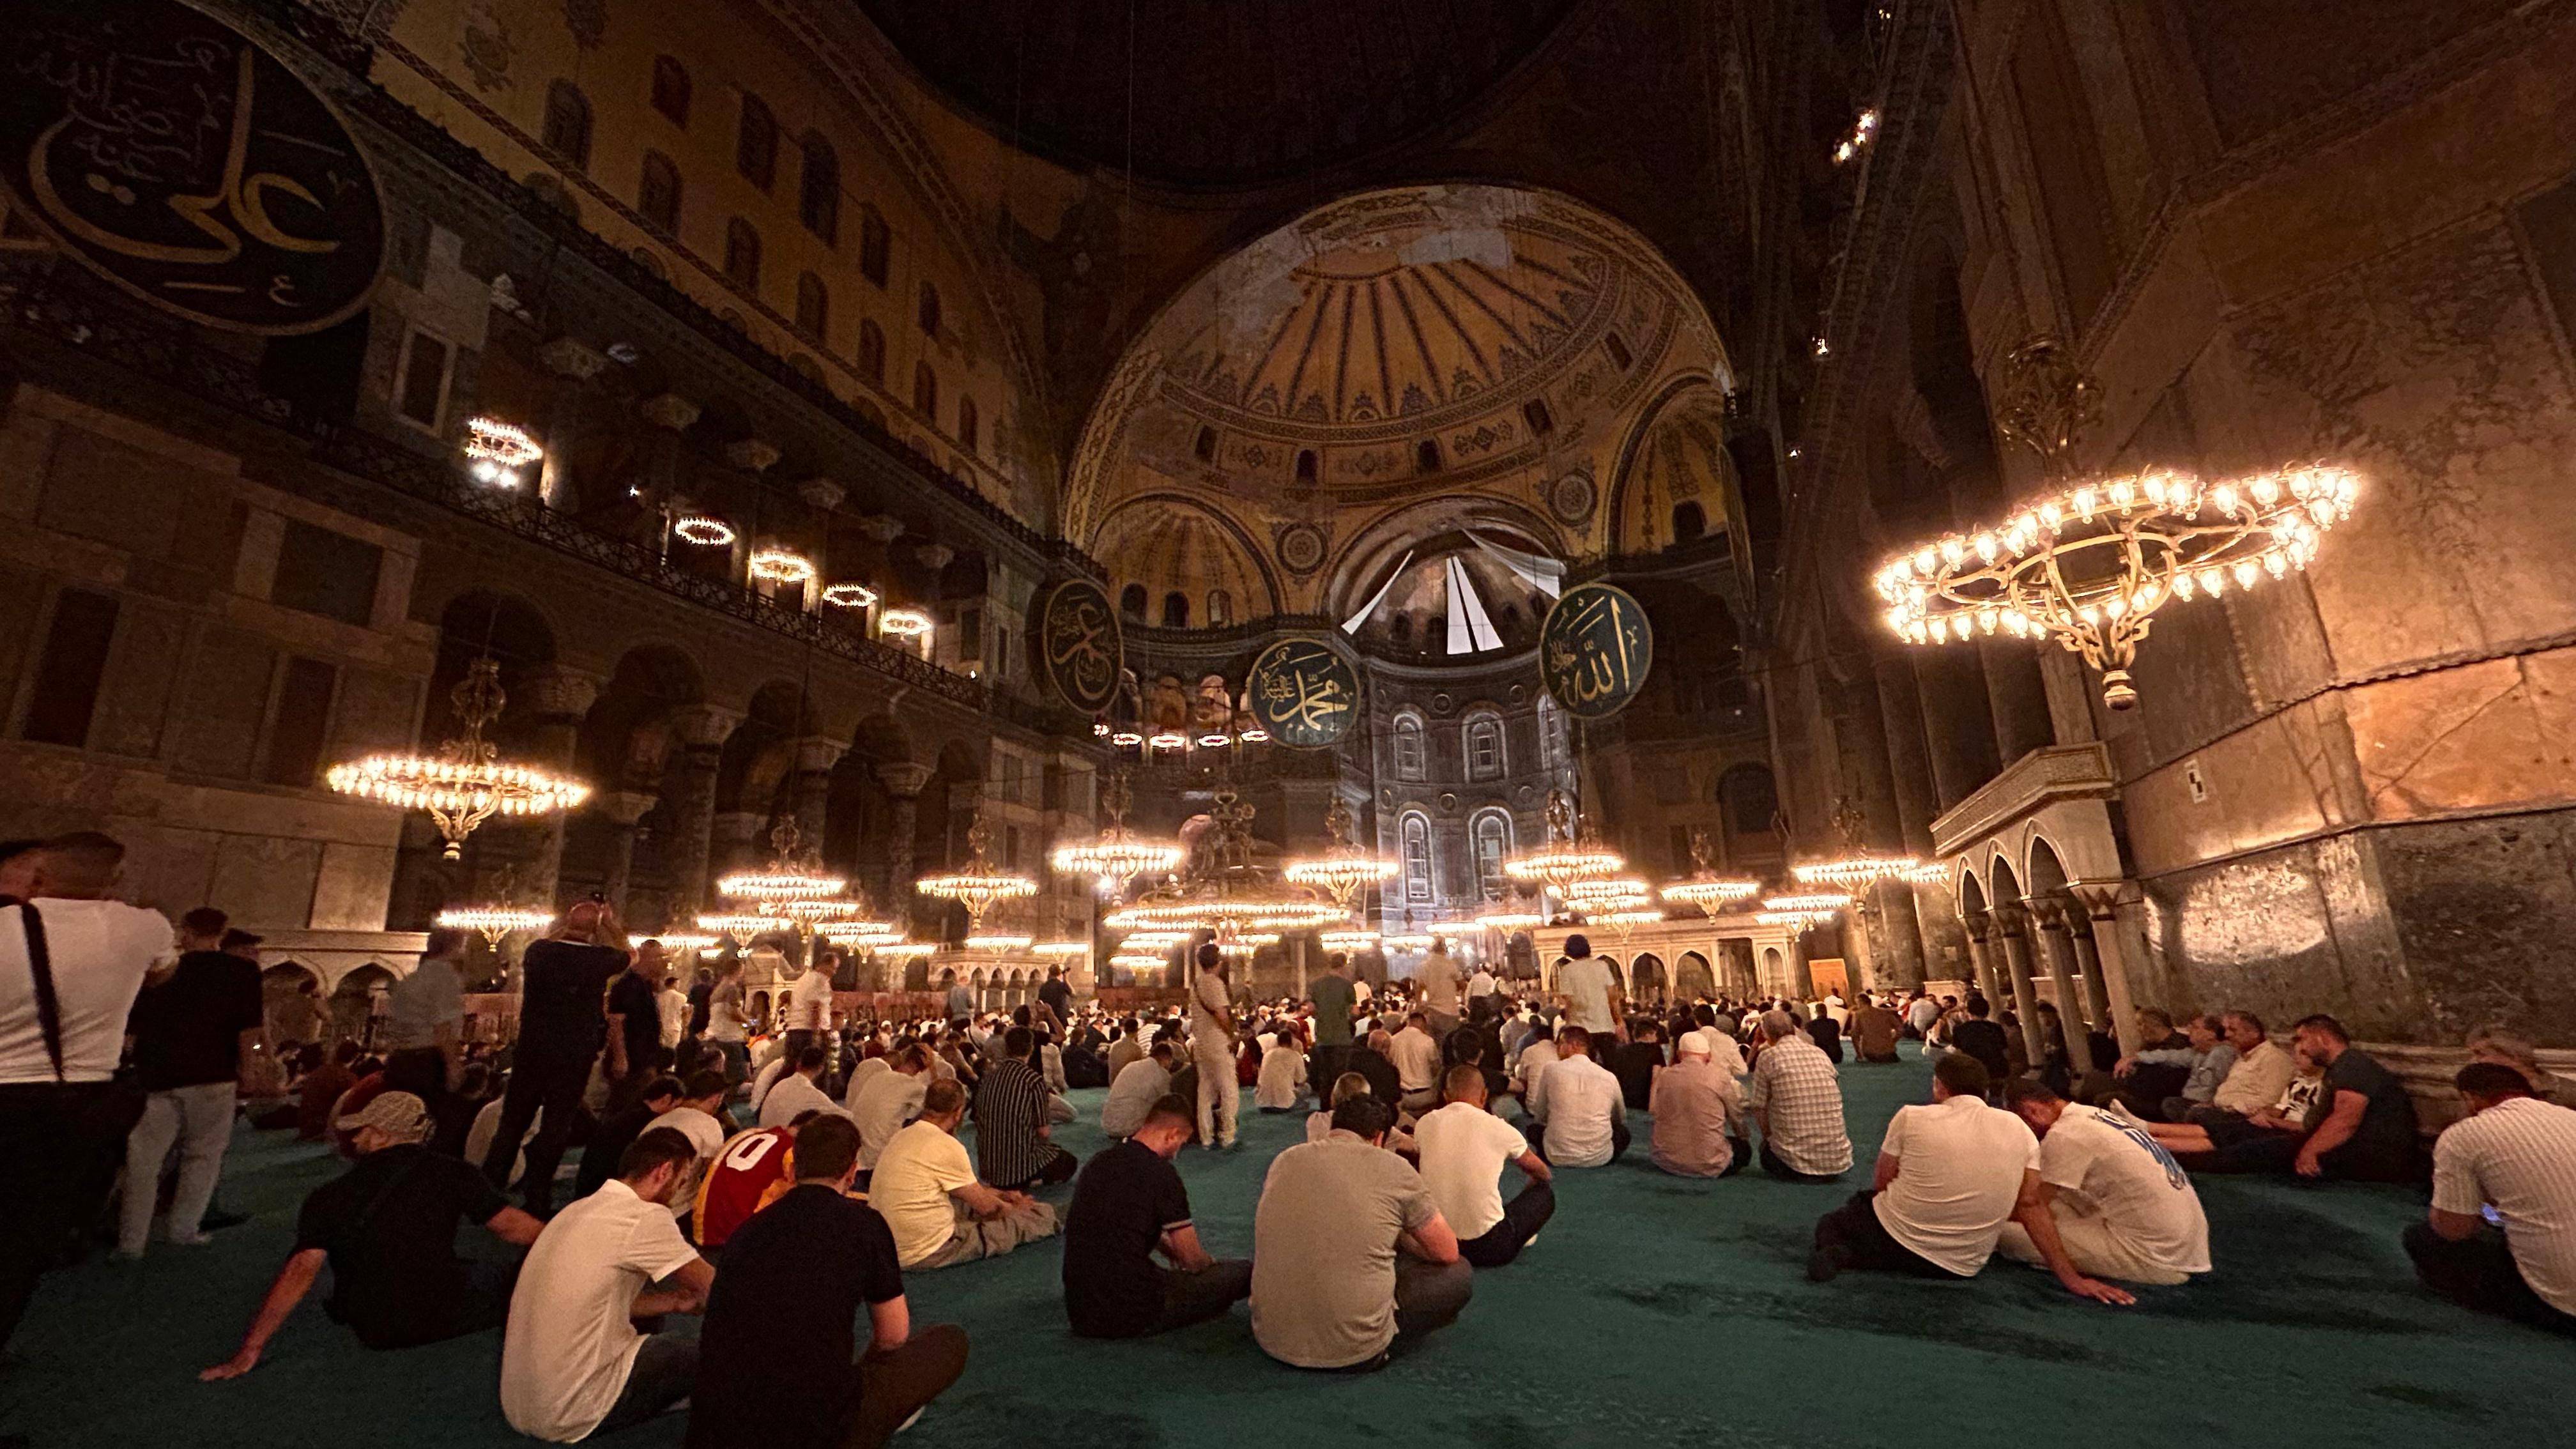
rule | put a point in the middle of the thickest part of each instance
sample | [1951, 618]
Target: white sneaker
[915, 1419]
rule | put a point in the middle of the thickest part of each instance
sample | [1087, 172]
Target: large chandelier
[1508, 921]
[2090, 566]
[1117, 856]
[1802, 911]
[1564, 860]
[494, 922]
[1346, 868]
[1230, 895]
[979, 887]
[1349, 940]
[792, 875]
[744, 925]
[466, 782]
[1857, 869]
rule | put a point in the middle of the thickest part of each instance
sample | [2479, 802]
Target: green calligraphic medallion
[175, 158]
[1304, 693]
[1078, 645]
[1595, 649]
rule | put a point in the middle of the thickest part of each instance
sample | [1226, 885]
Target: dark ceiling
[1215, 92]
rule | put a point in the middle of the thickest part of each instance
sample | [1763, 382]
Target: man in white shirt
[2516, 1154]
[2260, 1074]
[925, 1186]
[888, 1101]
[729, 1019]
[700, 1118]
[2110, 1201]
[1481, 991]
[1212, 1049]
[1949, 1177]
[1588, 990]
[1437, 983]
[572, 1364]
[1132, 1097]
[1463, 1149]
[673, 1004]
[56, 1090]
[1797, 1101]
[1581, 1113]
[797, 1093]
[1416, 1054]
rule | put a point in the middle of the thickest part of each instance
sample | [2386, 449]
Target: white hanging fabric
[1471, 630]
[1547, 575]
[1352, 624]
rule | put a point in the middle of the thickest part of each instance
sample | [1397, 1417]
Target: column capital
[669, 410]
[903, 779]
[557, 692]
[2102, 898]
[703, 726]
[818, 753]
[2010, 916]
[570, 357]
[934, 556]
[625, 807]
[821, 492]
[756, 455]
[884, 528]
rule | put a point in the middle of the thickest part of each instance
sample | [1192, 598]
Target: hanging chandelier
[999, 943]
[1802, 911]
[466, 782]
[1346, 868]
[1857, 868]
[792, 874]
[744, 926]
[1116, 856]
[1349, 940]
[495, 451]
[1510, 921]
[1609, 893]
[494, 922]
[1409, 941]
[1134, 961]
[904, 623]
[1564, 860]
[702, 531]
[1705, 888]
[1061, 950]
[1230, 894]
[849, 596]
[686, 942]
[781, 566]
[907, 950]
[866, 935]
[979, 887]
[2090, 566]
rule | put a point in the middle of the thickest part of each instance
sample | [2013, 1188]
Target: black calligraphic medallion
[1304, 693]
[177, 159]
[1079, 645]
[1594, 650]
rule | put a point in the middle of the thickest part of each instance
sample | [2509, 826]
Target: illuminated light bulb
[2183, 587]
[1926, 562]
[2246, 573]
[1896, 620]
[2050, 516]
[1986, 620]
[2213, 581]
[2265, 490]
[2089, 614]
[1985, 546]
[2084, 502]
[2156, 487]
[2276, 564]
[2303, 483]
[1953, 552]
[1868, 122]
[2117, 608]
[2225, 498]
[1843, 153]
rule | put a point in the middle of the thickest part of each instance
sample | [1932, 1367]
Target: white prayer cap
[1699, 1042]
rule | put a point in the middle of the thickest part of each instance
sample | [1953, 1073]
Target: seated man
[1948, 1178]
[1635, 1061]
[2512, 1153]
[1982, 1037]
[2109, 1202]
[1370, 1057]
[1283, 1073]
[1012, 1125]
[608, 1142]
[699, 1116]
[1145, 1081]
[1463, 1149]
[387, 1227]
[891, 1099]
[1699, 1112]
[2288, 1115]
[1129, 1205]
[782, 1311]
[1581, 1114]
[2257, 1076]
[1537, 1051]
[2153, 1081]
[1417, 1064]
[1797, 1100]
[925, 1186]
[752, 1172]
[799, 1092]
[572, 1363]
[1328, 1291]
[2362, 1128]
[1874, 1030]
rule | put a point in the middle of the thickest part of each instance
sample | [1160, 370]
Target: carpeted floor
[1653, 1311]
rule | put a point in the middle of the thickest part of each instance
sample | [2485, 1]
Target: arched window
[1491, 835]
[1131, 602]
[566, 131]
[925, 393]
[1551, 738]
[1689, 521]
[671, 89]
[929, 311]
[1306, 465]
[1176, 610]
[1426, 456]
[742, 253]
[1408, 747]
[876, 244]
[658, 194]
[818, 196]
[1206, 445]
[1750, 799]
[755, 143]
[1220, 608]
[1416, 831]
[813, 306]
[1484, 747]
[970, 424]
[1534, 413]
[871, 353]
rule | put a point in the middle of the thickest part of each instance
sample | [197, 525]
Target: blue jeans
[664, 1373]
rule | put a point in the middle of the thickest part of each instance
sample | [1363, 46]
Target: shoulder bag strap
[40, 965]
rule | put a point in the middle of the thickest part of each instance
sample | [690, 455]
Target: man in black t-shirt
[1634, 1061]
[635, 1052]
[1128, 1206]
[195, 1031]
[561, 1029]
[2363, 1128]
[388, 1228]
[1981, 1038]
[1057, 995]
[775, 1351]
[618, 1131]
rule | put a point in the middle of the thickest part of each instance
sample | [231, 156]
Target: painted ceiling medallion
[1301, 548]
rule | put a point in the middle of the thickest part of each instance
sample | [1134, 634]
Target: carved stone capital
[669, 410]
[884, 528]
[752, 454]
[821, 492]
[2101, 899]
[903, 779]
[934, 556]
[573, 358]
[559, 693]
[817, 754]
[705, 726]
[624, 807]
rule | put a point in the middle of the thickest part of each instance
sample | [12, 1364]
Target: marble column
[555, 698]
[2016, 695]
[754, 456]
[903, 782]
[1981, 952]
[576, 362]
[2105, 953]
[689, 779]
[665, 457]
[622, 809]
[2012, 922]
[736, 840]
[2059, 952]
[815, 757]
[1958, 723]
[1894, 944]
[1909, 761]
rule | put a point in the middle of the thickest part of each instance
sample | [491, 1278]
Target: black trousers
[59, 1150]
[1619, 1140]
[554, 1084]
[2479, 1274]
[1523, 1216]
[1772, 1164]
[1060, 1167]
[1197, 1297]
[1854, 1237]
[893, 1386]
[1324, 1066]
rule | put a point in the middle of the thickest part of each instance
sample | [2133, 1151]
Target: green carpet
[1653, 1311]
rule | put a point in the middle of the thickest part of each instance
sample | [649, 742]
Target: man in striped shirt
[2517, 1155]
[1011, 1146]
[1797, 1101]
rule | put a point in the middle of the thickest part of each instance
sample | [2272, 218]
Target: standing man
[561, 1029]
[1128, 1207]
[199, 1033]
[1438, 986]
[809, 1009]
[1057, 995]
[635, 1054]
[729, 1018]
[71, 962]
[1481, 989]
[675, 1018]
[961, 1002]
[1332, 996]
[425, 1010]
[1212, 1048]
[1588, 991]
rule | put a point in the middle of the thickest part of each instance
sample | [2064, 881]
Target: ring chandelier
[467, 782]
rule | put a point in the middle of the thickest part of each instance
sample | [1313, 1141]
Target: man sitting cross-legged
[1012, 1121]
[387, 1227]
[1581, 1114]
[1464, 1149]
[1140, 1084]
[2110, 1201]
[1328, 1291]
[1129, 1205]
[1949, 1176]
[1699, 1112]
[925, 1185]
[1797, 1101]
[775, 1367]
[2512, 1152]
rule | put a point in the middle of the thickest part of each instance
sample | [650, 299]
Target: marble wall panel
[99, 488]
[222, 701]
[266, 881]
[134, 693]
[353, 886]
[2485, 909]
[2485, 734]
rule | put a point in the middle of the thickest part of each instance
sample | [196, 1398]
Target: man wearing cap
[561, 1029]
[387, 1227]
[1699, 1112]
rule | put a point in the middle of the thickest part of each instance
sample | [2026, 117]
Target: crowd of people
[777, 1174]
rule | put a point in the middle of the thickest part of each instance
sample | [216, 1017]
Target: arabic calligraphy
[180, 161]
[1079, 639]
[1303, 693]
[1595, 649]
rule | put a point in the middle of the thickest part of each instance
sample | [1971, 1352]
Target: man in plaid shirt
[1798, 1103]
